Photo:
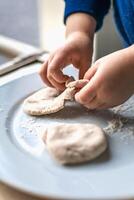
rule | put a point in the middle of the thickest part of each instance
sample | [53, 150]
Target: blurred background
[40, 23]
[19, 20]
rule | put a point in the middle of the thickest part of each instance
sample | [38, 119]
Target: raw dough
[43, 94]
[75, 143]
[77, 84]
[47, 100]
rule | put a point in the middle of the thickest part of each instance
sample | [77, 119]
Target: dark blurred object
[18, 20]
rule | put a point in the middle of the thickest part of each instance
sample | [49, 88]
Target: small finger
[90, 73]
[94, 104]
[55, 68]
[57, 74]
[43, 73]
[84, 100]
[58, 86]
[82, 71]
[86, 94]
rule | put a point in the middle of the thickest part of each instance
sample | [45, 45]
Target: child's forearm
[129, 57]
[131, 52]
[80, 23]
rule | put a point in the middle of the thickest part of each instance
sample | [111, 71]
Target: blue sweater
[123, 12]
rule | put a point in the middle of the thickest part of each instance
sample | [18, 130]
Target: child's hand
[111, 81]
[77, 50]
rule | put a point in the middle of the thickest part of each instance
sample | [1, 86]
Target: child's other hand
[77, 50]
[111, 81]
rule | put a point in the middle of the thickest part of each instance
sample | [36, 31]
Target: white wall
[51, 23]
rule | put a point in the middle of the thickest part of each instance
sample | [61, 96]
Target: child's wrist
[78, 34]
[79, 37]
[80, 22]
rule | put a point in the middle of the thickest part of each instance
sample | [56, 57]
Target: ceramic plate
[26, 165]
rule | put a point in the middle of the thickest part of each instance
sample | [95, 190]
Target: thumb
[90, 73]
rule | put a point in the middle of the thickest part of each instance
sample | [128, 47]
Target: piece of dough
[47, 101]
[43, 94]
[75, 143]
[77, 84]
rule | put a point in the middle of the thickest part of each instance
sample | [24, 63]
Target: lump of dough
[43, 94]
[47, 101]
[34, 104]
[75, 143]
[77, 84]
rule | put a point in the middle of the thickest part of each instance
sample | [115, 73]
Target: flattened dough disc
[75, 143]
[47, 101]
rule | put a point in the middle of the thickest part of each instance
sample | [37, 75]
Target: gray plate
[109, 176]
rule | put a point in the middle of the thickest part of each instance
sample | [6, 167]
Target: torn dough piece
[43, 94]
[47, 101]
[75, 143]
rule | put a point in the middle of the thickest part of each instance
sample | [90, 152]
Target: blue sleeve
[96, 8]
